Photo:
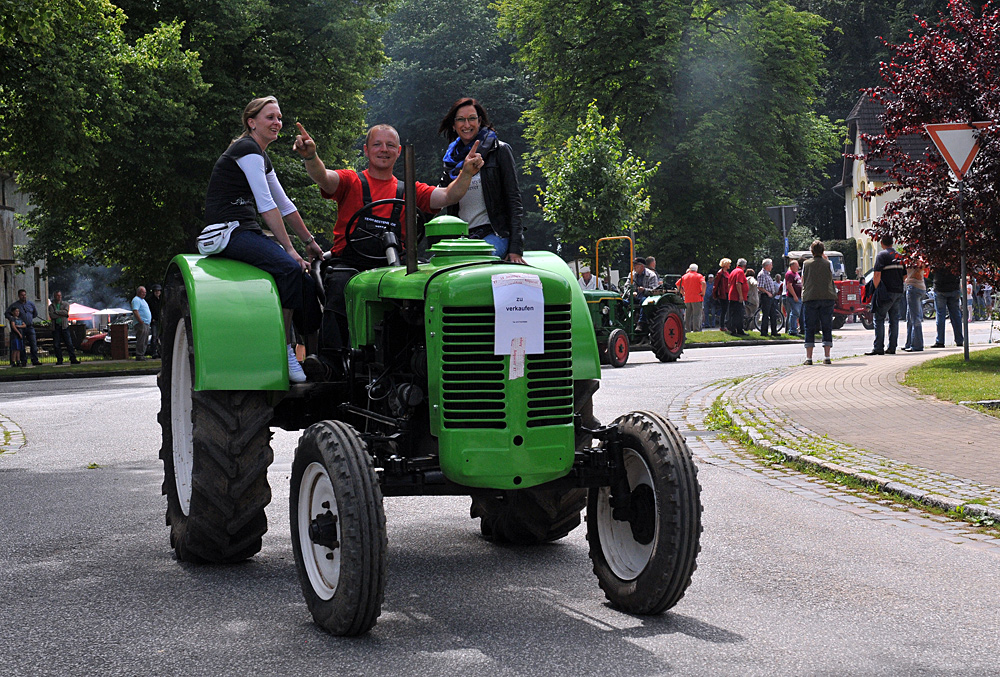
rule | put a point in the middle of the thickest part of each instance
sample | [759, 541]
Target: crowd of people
[22, 320]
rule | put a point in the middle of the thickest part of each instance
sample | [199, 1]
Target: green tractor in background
[429, 405]
[615, 316]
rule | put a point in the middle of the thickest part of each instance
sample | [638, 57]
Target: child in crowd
[17, 326]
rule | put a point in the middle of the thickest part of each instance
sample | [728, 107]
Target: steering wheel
[353, 235]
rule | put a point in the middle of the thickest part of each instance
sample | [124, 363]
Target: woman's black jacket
[501, 194]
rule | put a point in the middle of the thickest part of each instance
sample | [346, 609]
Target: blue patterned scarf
[454, 157]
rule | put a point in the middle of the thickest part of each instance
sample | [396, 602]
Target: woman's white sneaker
[295, 373]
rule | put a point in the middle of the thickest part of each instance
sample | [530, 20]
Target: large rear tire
[645, 563]
[666, 335]
[338, 528]
[216, 451]
[539, 515]
[528, 516]
[867, 320]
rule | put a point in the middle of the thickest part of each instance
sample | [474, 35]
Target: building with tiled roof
[861, 176]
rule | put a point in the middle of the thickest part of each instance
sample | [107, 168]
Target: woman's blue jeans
[914, 317]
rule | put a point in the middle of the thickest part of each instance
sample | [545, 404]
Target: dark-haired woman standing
[492, 205]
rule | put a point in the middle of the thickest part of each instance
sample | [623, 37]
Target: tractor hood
[460, 275]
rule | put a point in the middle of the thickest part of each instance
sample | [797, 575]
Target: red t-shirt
[690, 283]
[350, 199]
[738, 285]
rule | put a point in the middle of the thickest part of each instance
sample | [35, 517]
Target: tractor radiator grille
[474, 380]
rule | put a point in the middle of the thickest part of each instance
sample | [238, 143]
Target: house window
[864, 205]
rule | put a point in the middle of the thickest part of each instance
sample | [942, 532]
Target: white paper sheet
[519, 303]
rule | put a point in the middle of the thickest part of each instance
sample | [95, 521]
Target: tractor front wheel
[645, 552]
[839, 321]
[618, 348]
[666, 334]
[338, 529]
[216, 451]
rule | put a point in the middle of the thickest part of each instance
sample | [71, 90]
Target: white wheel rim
[316, 496]
[181, 425]
[626, 556]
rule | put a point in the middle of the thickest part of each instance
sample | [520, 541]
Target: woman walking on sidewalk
[819, 295]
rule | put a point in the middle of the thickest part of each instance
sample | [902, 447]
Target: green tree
[437, 55]
[594, 187]
[112, 125]
[724, 94]
[89, 124]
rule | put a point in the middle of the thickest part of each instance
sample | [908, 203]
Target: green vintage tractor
[616, 318]
[429, 405]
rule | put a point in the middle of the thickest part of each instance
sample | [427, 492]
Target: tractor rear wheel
[216, 451]
[539, 515]
[666, 334]
[644, 562]
[867, 320]
[528, 516]
[338, 528]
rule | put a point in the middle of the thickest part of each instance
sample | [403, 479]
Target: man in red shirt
[347, 187]
[692, 284]
[738, 290]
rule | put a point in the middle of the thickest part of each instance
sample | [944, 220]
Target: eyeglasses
[471, 118]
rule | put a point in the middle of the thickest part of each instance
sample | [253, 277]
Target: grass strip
[85, 367]
[716, 336]
[953, 379]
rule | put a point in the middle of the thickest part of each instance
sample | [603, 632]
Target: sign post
[783, 217]
[958, 143]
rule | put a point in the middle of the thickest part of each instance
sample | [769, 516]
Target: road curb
[868, 479]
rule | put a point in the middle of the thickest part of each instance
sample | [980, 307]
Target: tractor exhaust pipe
[410, 197]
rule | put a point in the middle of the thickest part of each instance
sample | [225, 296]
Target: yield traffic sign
[958, 143]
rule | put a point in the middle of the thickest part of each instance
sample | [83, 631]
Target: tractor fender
[237, 327]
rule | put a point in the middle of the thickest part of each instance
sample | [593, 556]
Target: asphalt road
[785, 584]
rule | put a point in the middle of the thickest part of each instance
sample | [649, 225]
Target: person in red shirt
[738, 290]
[347, 187]
[692, 284]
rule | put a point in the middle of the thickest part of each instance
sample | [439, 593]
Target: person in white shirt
[588, 281]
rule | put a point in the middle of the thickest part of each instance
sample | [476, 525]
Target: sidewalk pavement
[856, 417]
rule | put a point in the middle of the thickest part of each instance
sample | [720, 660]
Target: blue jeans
[500, 244]
[914, 317]
[29, 342]
[794, 309]
[951, 302]
[819, 315]
[889, 307]
[61, 335]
